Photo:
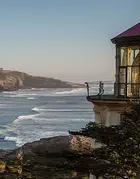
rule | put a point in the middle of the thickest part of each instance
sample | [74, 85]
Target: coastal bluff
[15, 80]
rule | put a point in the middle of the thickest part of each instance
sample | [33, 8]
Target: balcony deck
[98, 92]
[107, 97]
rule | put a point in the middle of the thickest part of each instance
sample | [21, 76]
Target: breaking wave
[21, 140]
[32, 94]
[2, 130]
[25, 117]
[36, 114]
[78, 90]
[31, 98]
[61, 110]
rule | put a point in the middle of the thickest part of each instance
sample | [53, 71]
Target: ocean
[32, 114]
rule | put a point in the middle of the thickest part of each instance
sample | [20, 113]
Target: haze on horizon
[65, 39]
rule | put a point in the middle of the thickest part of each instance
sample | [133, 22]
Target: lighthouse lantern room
[128, 63]
[108, 107]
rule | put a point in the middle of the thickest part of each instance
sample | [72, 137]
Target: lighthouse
[108, 107]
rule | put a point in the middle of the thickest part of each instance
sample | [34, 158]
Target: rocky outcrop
[14, 80]
[50, 158]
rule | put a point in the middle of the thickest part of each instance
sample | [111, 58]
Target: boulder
[50, 158]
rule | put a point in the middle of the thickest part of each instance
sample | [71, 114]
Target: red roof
[131, 32]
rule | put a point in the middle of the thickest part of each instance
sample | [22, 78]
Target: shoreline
[76, 142]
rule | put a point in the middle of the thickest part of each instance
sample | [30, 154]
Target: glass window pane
[135, 74]
[122, 89]
[129, 91]
[129, 55]
[136, 51]
[135, 89]
[122, 75]
[126, 56]
[129, 75]
[129, 71]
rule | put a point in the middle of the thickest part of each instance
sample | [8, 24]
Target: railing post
[87, 85]
[101, 88]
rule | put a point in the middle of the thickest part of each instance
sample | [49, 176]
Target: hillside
[14, 80]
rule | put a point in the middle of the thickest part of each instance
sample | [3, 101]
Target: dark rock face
[50, 145]
[48, 158]
[14, 80]
[3, 153]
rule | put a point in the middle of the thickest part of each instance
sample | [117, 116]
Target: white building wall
[112, 118]
[107, 116]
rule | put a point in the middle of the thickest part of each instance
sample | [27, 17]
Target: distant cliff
[14, 80]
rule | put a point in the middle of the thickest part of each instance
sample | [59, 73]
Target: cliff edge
[14, 80]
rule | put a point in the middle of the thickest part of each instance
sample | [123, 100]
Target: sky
[64, 39]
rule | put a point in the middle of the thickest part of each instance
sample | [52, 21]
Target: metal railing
[125, 90]
[100, 88]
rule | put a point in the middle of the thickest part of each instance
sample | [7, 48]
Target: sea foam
[25, 117]
[61, 110]
[77, 90]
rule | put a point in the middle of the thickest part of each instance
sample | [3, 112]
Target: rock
[50, 158]
[51, 145]
[4, 153]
